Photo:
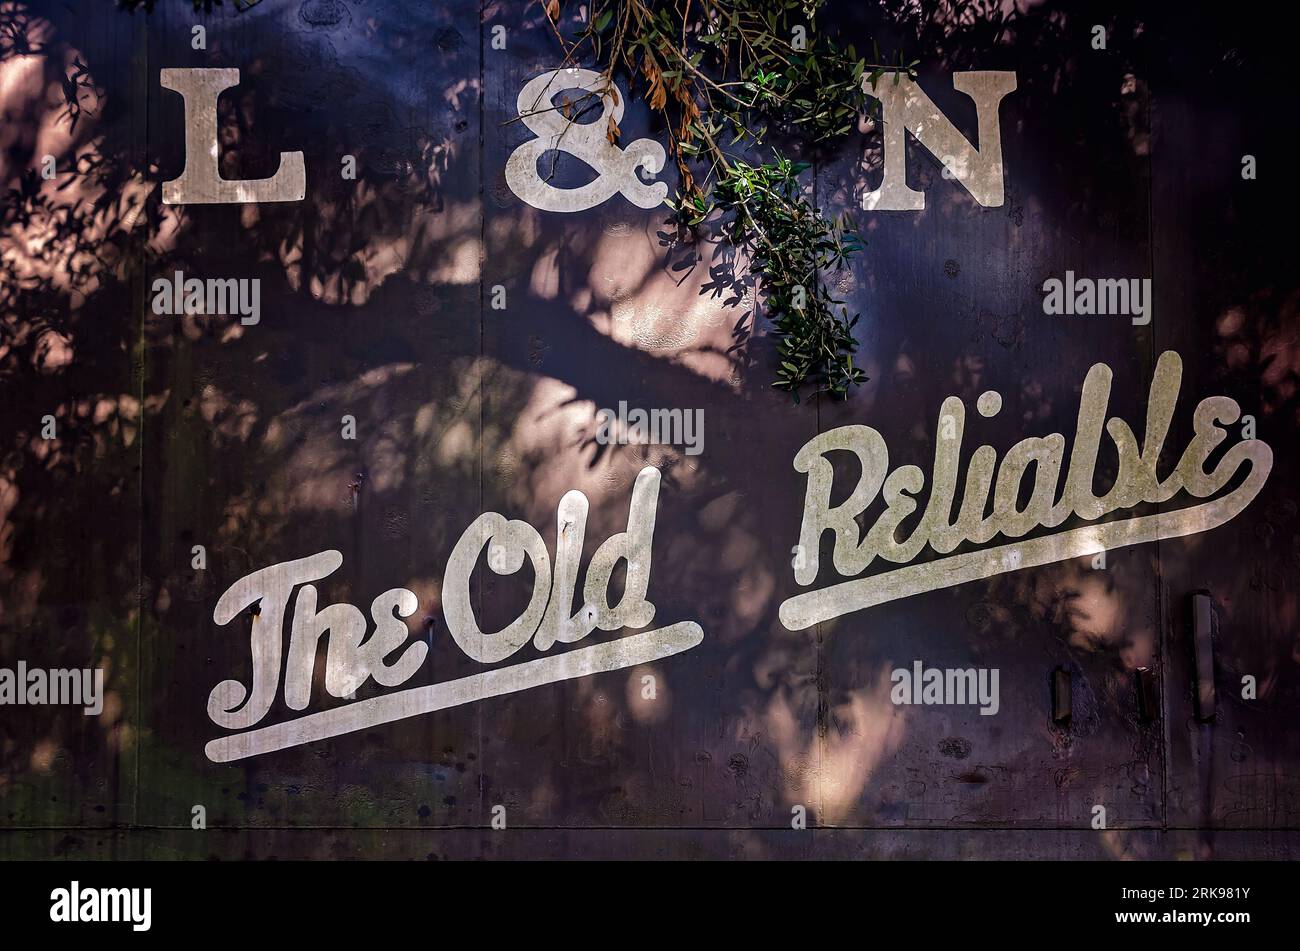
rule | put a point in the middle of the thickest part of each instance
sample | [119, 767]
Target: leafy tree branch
[725, 75]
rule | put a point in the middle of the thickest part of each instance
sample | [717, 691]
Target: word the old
[390, 659]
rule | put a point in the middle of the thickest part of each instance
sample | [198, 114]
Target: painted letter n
[906, 108]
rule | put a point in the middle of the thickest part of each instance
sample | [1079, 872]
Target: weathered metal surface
[377, 303]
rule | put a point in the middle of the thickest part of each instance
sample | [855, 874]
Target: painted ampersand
[616, 169]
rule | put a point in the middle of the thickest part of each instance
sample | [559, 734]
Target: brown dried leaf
[658, 98]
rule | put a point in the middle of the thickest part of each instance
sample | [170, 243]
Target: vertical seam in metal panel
[821, 711]
[1161, 601]
[139, 298]
[482, 261]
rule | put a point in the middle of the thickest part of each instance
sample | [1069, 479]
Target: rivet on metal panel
[1060, 695]
[1203, 647]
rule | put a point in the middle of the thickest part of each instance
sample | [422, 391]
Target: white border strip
[815, 607]
[611, 655]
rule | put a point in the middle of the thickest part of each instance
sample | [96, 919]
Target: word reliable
[286, 592]
[1136, 482]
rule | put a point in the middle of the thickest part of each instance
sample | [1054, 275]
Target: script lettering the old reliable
[983, 533]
